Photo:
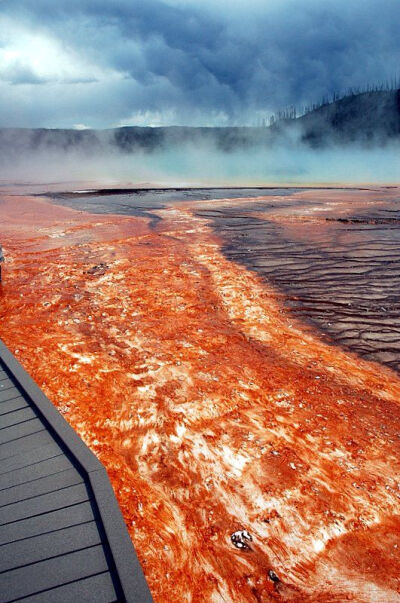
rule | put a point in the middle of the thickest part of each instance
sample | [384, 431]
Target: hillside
[370, 119]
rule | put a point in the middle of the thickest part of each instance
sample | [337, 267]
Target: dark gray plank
[17, 461]
[6, 384]
[97, 588]
[44, 503]
[51, 483]
[10, 405]
[3, 375]
[16, 417]
[49, 522]
[41, 469]
[9, 394]
[53, 572]
[18, 554]
[25, 444]
[18, 431]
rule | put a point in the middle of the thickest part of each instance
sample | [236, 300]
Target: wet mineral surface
[334, 254]
[253, 459]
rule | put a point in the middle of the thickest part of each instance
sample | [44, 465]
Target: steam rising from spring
[204, 165]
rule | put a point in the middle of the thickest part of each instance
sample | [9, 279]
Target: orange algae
[211, 408]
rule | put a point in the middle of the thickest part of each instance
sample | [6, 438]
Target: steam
[203, 164]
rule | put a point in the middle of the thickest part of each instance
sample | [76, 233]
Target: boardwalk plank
[33, 472]
[45, 546]
[44, 503]
[11, 405]
[18, 416]
[19, 431]
[26, 444]
[6, 384]
[9, 394]
[51, 483]
[53, 572]
[82, 592]
[25, 459]
[49, 522]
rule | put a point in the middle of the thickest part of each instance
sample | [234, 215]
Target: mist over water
[205, 165]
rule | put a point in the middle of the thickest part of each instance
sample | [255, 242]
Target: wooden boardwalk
[62, 536]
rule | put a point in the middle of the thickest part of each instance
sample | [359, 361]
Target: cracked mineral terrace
[219, 358]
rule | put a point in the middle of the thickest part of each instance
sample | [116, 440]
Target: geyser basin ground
[214, 409]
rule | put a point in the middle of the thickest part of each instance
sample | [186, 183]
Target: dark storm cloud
[204, 62]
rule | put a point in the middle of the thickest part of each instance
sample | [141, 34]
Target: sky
[107, 63]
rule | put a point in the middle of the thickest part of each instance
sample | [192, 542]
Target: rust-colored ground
[212, 410]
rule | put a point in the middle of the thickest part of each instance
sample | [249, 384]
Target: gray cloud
[189, 62]
[18, 73]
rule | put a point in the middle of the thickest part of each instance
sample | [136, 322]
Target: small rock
[98, 269]
[241, 538]
[272, 576]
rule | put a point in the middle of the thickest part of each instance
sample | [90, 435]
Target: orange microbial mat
[253, 459]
